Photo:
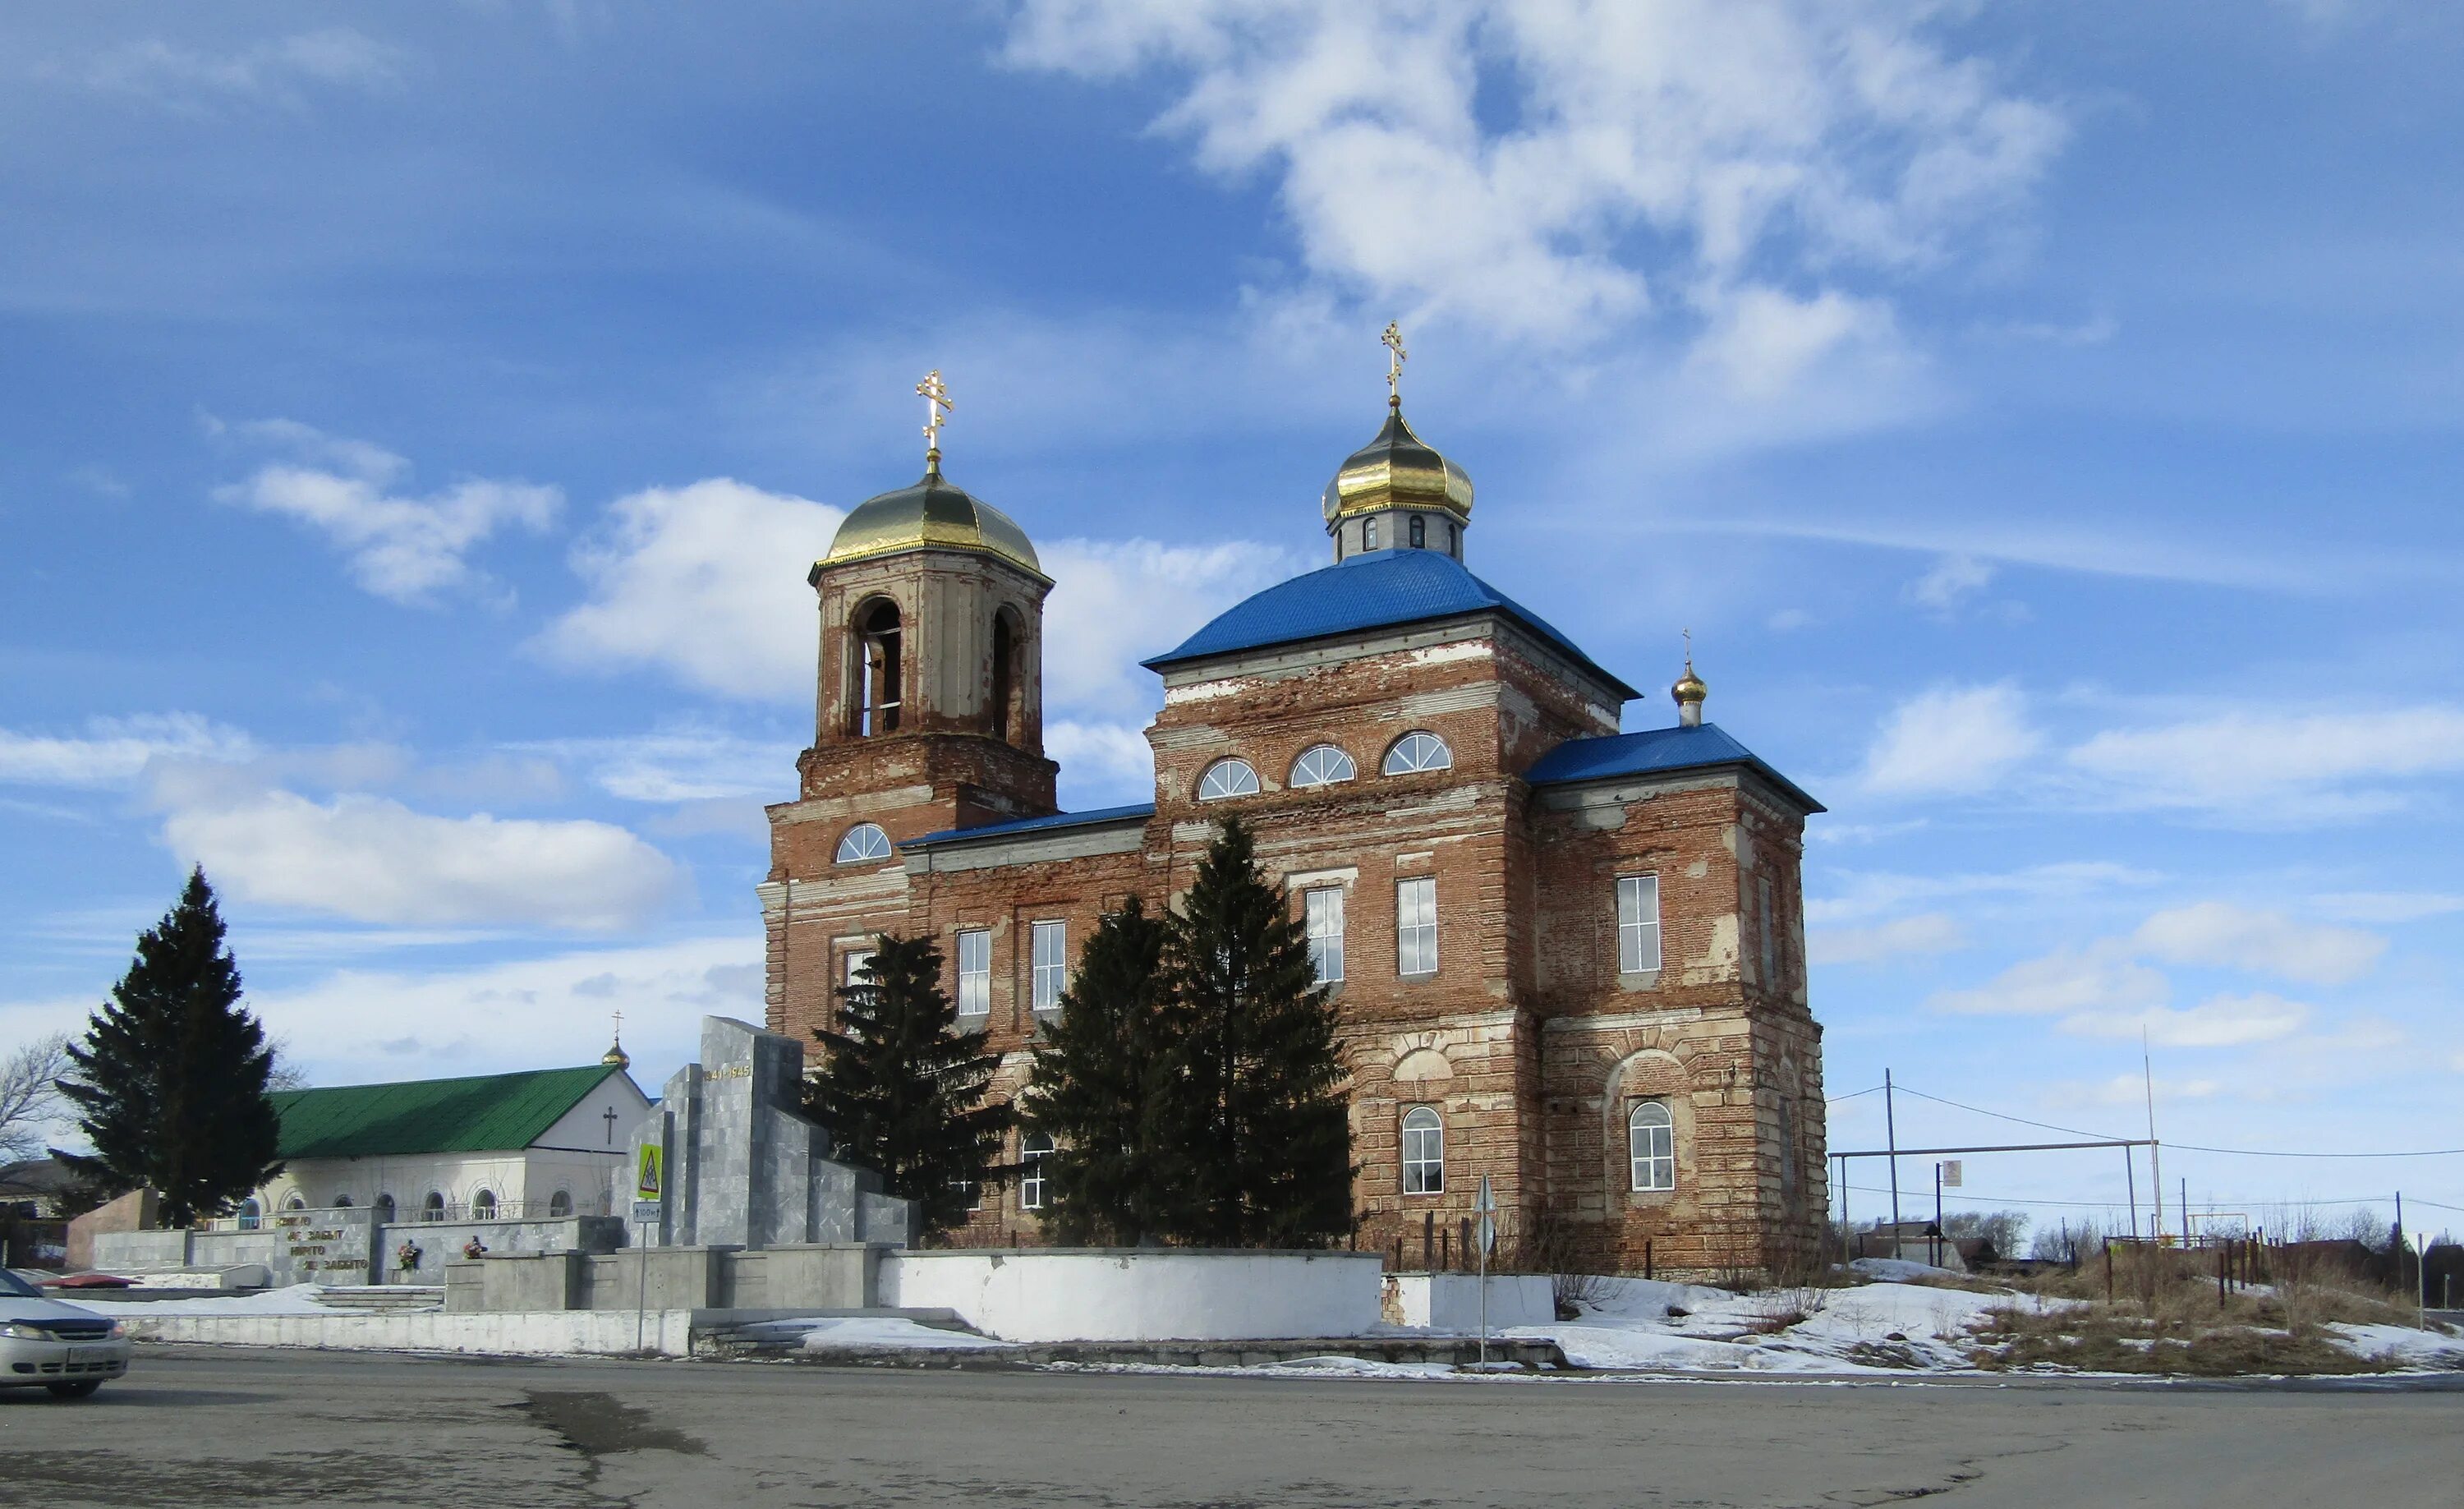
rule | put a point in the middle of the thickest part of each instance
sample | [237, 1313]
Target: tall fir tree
[1258, 1117]
[172, 1074]
[902, 1089]
[1101, 1090]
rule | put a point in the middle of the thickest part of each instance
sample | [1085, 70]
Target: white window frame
[856, 960]
[1032, 1186]
[1637, 924]
[1322, 920]
[485, 1199]
[1051, 964]
[975, 975]
[1651, 1148]
[1425, 1150]
[1322, 764]
[431, 1206]
[1369, 533]
[1415, 753]
[1416, 926]
[862, 844]
[1227, 778]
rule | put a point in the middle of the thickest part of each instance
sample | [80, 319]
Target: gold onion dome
[615, 1056]
[931, 515]
[1689, 687]
[1397, 470]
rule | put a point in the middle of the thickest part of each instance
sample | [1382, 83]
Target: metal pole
[641, 1280]
[1891, 1135]
[2155, 1164]
[1847, 1227]
[1937, 1215]
[2130, 1189]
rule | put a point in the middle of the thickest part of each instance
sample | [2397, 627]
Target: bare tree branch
[30, 1096]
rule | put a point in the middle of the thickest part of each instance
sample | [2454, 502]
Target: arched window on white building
[432, 1209]
[384, 1210]
[483, 1206]
[1417, 751]
[252, 1215]
[1425, 1151]
[1651, 1146]
[560, 1205]
[294, 1201]
[1227, 778]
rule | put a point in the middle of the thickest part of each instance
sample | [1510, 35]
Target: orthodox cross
[1394, 343]
[1689, 648]
[611, 1115]
[936, 408]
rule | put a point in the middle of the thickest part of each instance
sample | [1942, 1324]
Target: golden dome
[1689, 687]
[616, 1057]
[1397, 470]
[930, 515]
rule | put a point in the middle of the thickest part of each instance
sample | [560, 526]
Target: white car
[68, 1349]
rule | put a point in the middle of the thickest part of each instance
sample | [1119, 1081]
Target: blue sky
[414, 426]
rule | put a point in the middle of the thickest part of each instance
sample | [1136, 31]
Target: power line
[2115, 1205]
[1853, 1094]
[2187, 1147]
[2003, 1115]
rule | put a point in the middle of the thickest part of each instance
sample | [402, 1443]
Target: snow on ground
[835, 1333]
[2405, 1345]
[298, 1300]
[1880, 1327]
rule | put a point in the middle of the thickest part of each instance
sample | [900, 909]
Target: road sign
[1486, 1202]
[648, 1185]
[1950, 1174]
[646, 1211]
[1487, 1234]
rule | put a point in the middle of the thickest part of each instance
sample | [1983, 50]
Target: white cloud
[269, 72]
[2099, 978]
[684, 763]
[1950, 741]
[1872, 893]
[2222, 1021]
[1929, 933]
[1955, 578]
[2220, 933]
[405, 549]
[115, 751]
[2276, 770]
[2387, 907]
[705, 583]
[2127, 1092]
[1547, 139]
[1108, 758]
[375, 860]
[377, 1025]
[1113, 603]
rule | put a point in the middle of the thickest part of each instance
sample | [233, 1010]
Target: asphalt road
[198, 1429]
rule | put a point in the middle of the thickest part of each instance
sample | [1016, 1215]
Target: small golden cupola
[1689, 691]
[1397, 492]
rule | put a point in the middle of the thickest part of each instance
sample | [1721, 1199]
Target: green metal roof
[484, 1113]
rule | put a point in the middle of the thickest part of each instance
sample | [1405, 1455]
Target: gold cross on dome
[1392, 339]
[936, 395]
[620, 1024]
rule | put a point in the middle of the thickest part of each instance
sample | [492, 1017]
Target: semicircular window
[1322, 764]
[863, 843]
[1226, 778]
[1416, 752]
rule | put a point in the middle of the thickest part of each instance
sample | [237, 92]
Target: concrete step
[385, 1299]
[1458, 1352]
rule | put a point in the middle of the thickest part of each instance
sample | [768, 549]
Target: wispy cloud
[2275, 768]
[280, 71]
[1928, 933]
[1951, 741]
[115, 751]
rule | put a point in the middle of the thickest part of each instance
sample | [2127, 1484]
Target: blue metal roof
[1378, 589]
[1139, 811]
[1651, 752]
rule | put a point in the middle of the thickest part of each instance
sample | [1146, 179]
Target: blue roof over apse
[1652, 751]
[1139, 811]
[1378, 589]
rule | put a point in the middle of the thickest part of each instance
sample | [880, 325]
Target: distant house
[544, 1144]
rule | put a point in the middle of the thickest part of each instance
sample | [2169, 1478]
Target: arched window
[1425, 1151]
[1368, 534]
[432, 1209]
[1651, 1146]
[560, 1205]
[875, 704]
[342, 1202]
[483, 1206]
[1321, 764]
[384, 1210]
[863, 844]
[1032, 1150]
[294, 1201]
[1454, 539]
[252, 1215]
[1005, 680]
[1227, 778]
[1416, 752]
[1420, 533]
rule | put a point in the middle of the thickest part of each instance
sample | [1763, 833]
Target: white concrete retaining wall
[1451, 1301]
[528, 1333]
[1111, 1294]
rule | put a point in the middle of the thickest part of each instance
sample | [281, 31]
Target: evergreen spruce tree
[1100, 1088]
[1261, 1139]
[172, 1074]
[902, 1091]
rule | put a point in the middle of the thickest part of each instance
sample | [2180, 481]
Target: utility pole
[1891, 1140]
[2130, 1189]
[2155, 1164]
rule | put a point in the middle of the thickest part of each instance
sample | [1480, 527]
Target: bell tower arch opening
[878, 637]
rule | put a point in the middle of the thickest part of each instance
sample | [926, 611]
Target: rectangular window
[1771, 936]
[975, 972]
[1051, 965]
[1415, 926]
[1638, 903]
[856, 960]
[1324, 910]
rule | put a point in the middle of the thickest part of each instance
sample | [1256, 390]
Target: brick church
[1567, 958]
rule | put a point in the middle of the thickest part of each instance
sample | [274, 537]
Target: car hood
[14, 1308]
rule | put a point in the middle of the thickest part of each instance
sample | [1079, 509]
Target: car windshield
[11, 1283]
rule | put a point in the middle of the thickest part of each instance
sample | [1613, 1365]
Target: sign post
[1487, 1208]
[648, 1187]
